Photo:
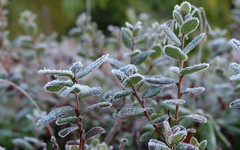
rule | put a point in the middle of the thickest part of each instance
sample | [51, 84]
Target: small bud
[76, 67]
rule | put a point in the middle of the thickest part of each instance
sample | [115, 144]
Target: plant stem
[181, 63]
[145, 112]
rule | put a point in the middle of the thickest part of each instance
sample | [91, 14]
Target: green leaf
[57, 85]
[189, 26]
[54, 114]
[196, 118]
[64, 132]
[185, 8]
[202, 145]
[93, 132]
[122, 94]
[90, 67]
[154, 144]
[70, 119]
[137, 60]
[22, 144]
[148, 135]
[132, 80]
[235, 104]
[99, 105]
[159, 81]
[76, 67]
[158, 51]
[235, 44]
[133, 53]
[75, 89]
[171, 35]
[193, 69]
[175, 52]
[207, 132]
[130, 111]
[152, 91]
[62, 73]
[177, 17]
[191, 45]
[235, 67]
[177, 137]
[91, 91]
[126, 37]
[185, 146]
[194, 141]
[159, 119]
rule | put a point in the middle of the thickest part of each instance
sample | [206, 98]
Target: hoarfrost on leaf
[70, 119]
[235, 77]
[235, 67]
[191, 45]
[185, 146]
[171, 35]
[115, 63]
[174, 101]
[64, 132]
[92, 91]
[63, 73]
[56, 85]
[189, 26]
[94, 131]
[159, 119]
[122, 94]
[174, 52]
[132, 80]
[99, 105]
[195, 90]
[132, 54]
[196, 118]
[54, 114]
[195, 68]
[235, 44]
[235, 104]
[130, 111]
[157, 145]
[75, 89]
[90, 67]
[159, 81]
[175, 69]
[76, 67]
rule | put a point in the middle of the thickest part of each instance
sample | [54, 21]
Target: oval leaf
[115, 63]
[159, 81]
[122, 94]
[159, 119]
[235, 104]
[155, 144]
[130, 111]
[185, 8]
[62, 121]
[90, 67]
[189, 26]
[64, 132]
[94, 131]
[171, 35]
[56, 85]
[126, 37]
[99, 105]
[174, 101]
[177, 17]
[157, 51]
[54, 114]
[132, 80]
[153, 91]
[184, 146]
[191, 45]
[202, 145]
[235, 77]
[235, 44]
[132, 54]
[75, 89]
[193, 69]
[175, 52]
[196, 118]
[195, 90]
[93, 91]
[235, 68]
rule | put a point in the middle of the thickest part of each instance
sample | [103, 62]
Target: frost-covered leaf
[167, 128]
[191, 45]
[235, 44]
[115, 63]
[129, 69]
[177, 137]
[202, 145]
[137, 60]
[130, 111]
[54, 114]
[148, 135]
[132, 53]
[159, 81]
[193, 69]
[70, 119]
[177, 17]
[92, 91]
[235, 67]
[153, 91]
[76, 67]
[94, 131]
[175, 52]
[235, 77]
[171, 35]
[185, 8]
[62, 73]
[157, 51]
[159, 119]
[174, 101]
[235, 104]
[22, 144]
[64, 132]
[118, 74]
[75, 89]
[126, 37]
[57, 85]
[175, 69]
[185, 146]
[196, 118]
[194, 141]
[122, 94]
[99, 105]
[195, 90]
[189, 26]
[90, 67]
[132, 80]
[154, 144]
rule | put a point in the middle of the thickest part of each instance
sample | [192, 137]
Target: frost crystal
[235, 77]
[153, 143]
[235, 68]
[66, 73]
[195, 90]
[64, 132]
[235, 44]
[196, 118]
[54, 114]
[175, 69]
[174, 101]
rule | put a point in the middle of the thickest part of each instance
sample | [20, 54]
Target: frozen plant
[69, 114]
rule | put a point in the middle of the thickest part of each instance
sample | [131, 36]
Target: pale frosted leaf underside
[99, 105]
[154, 144]
[54, 114]
[195, 90]
[82, 90]
[174, 101]
[196, 118]
[76, 67]
[22, 143]
[235, 77]
[235, 104]
[94, 131]
[175, 69]
[130, 111]
[171, 35]
[193, 69]
[184, 146]
[90, 67]
[235, 44]
[159, 81]
[64, 132]
[92, 91]
[63, 73]
[159, 119]
[235, 67]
